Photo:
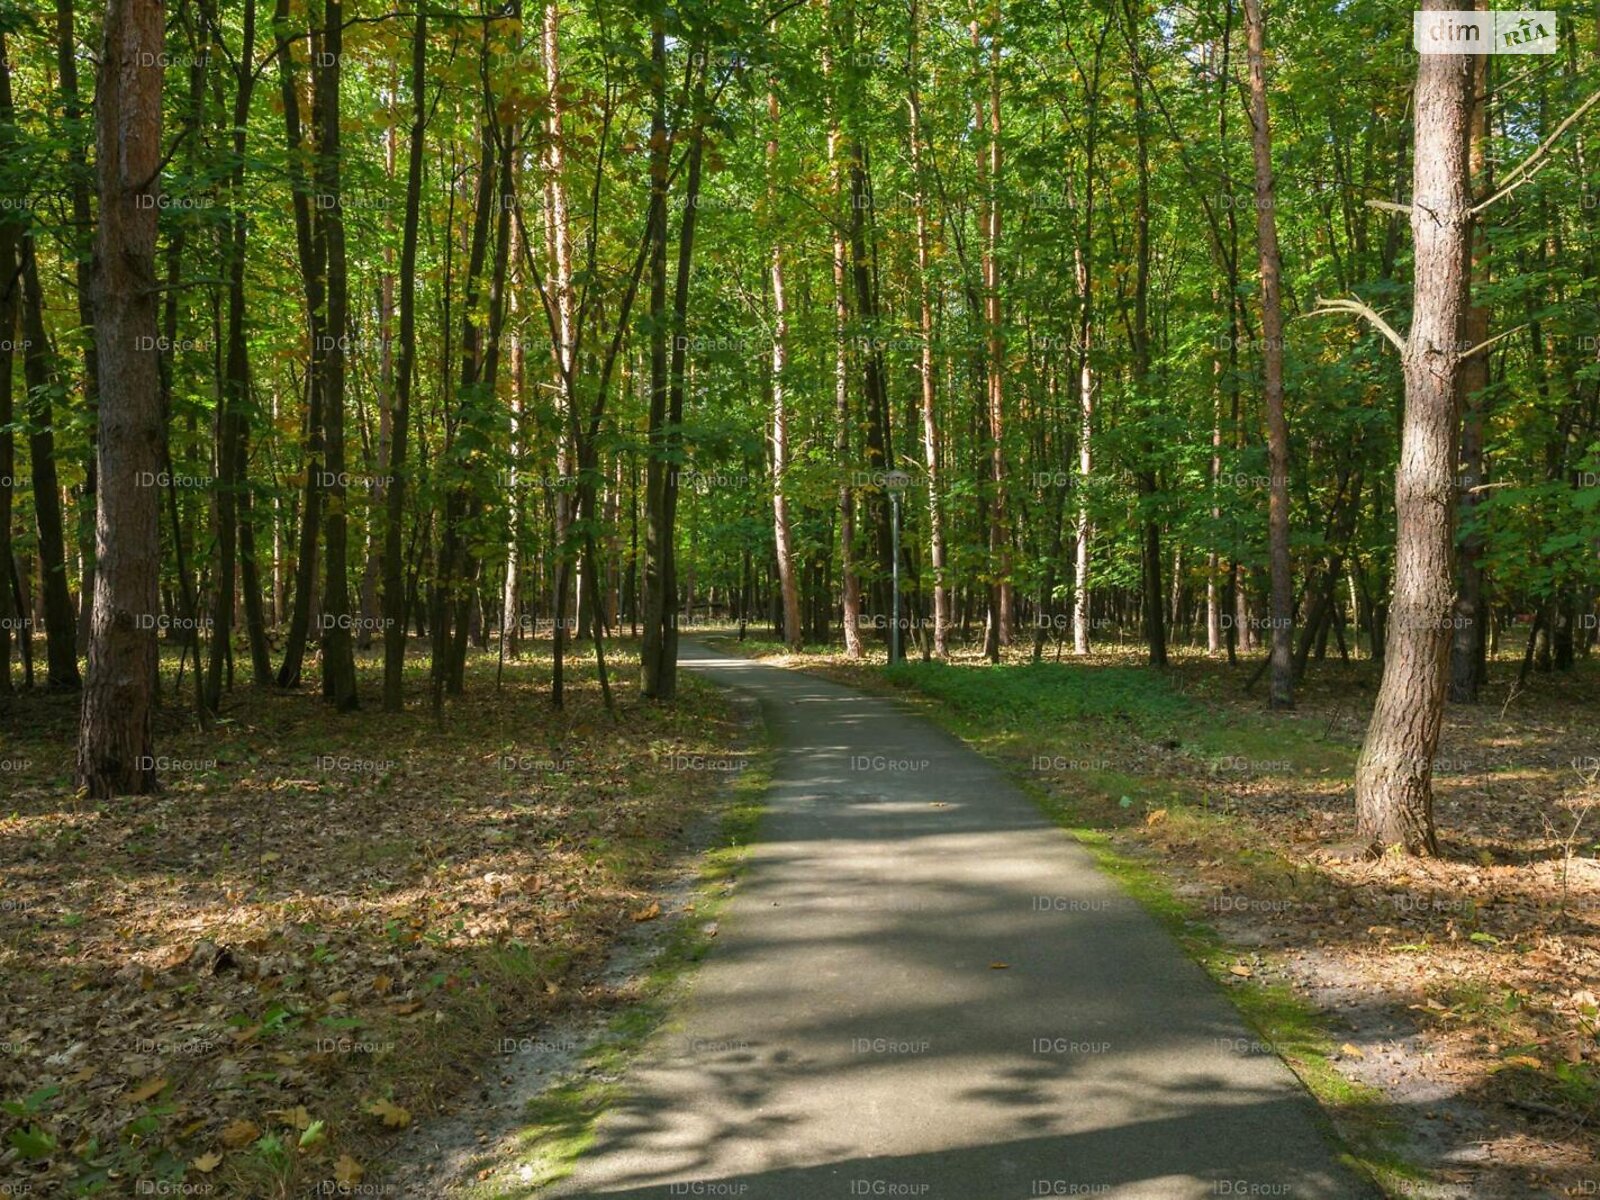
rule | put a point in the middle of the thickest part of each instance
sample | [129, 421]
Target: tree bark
[1282, 608]
[850, 581]
[338, 650]
[793, 632]
[115, 744]
[929, 385]
[1394, 794]
[394, 580]
[309, 250]
[1469, 666]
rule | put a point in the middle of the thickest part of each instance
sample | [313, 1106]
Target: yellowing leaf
[146, 1089]
[239, 1134]
[391, 1114]
[295, 1118]
[347, 1171]
[1524, 1060]
[207, 1162]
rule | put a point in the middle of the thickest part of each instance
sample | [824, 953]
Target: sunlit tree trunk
[788, 585]
[1394, 792]
[850, 581]
[929, 388]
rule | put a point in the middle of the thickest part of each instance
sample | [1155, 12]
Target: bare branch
[1361, 310]
[1482, 346]
[1516, 177]
[1388, 206]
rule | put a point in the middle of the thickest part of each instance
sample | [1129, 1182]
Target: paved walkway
[853, 1034]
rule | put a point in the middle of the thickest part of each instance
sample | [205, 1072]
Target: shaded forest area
[368, 374]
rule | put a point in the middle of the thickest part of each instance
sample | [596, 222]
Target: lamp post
[894, 483]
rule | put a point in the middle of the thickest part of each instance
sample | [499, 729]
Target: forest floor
[1450, 1006]
[246, 985]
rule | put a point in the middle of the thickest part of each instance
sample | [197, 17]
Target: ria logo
[1516, 31]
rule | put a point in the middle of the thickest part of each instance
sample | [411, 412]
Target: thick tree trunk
[1282, 608]
[1394, 794]
[115, 734]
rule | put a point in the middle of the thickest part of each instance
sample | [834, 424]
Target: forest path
[854, 1033]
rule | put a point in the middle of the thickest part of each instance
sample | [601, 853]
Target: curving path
[851, 1035]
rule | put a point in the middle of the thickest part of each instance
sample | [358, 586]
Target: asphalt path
[922, 988]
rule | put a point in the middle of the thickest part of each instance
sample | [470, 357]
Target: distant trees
[659, 293]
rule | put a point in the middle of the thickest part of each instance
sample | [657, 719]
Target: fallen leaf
[146, 1089]
[1352, 1051]
[294, 1118]
[347, 1171]
[391, 1114]
[1242, 971]
[207, 1162]
[239, 1134]
[648, 913]
[1524, 1060]
[999, 966]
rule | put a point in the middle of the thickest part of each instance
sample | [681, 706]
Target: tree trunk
[929, 386]
[13, 618]
[1282, 608]
[309, 249]
[41, 373]
[793, 632]
[338, 651]
[234, 397]
[115, 743]
[1469, 666]
[850, 582]
[989, 187]
[394, 581]
[1394, 794]
[79, 185]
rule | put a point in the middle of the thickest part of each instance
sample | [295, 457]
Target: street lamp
[895, 482]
